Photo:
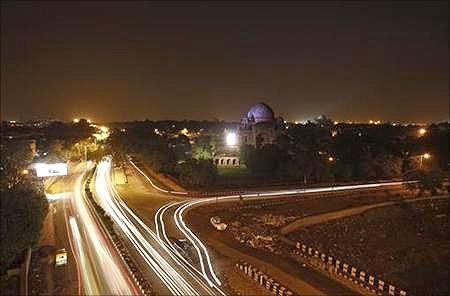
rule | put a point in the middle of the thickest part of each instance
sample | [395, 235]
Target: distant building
[259, 127]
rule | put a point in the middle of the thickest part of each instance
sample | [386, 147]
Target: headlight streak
[111, 279]
[198, 245]
[150, 255]
[159, 222]
[195, 241]
[128, 221]
[88, 285]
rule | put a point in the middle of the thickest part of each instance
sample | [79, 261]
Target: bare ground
[406, 244]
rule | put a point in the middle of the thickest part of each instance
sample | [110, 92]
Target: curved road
[151, 216]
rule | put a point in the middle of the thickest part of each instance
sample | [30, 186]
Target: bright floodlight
[231, 139]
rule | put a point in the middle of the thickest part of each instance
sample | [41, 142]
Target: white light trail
[141, 236]
[101, 272]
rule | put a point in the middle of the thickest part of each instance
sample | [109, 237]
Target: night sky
[114, 61]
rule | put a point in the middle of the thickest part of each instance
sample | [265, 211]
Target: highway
[165, 210]
[149, 218]
[157, 255]
[99, 269]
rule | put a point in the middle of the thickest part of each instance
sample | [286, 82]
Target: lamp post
[422, 156]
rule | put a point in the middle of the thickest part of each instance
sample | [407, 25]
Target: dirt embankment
[406, 244]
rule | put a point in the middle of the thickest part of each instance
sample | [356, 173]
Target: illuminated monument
[258, 128]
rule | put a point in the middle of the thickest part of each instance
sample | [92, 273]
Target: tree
[204, 148]
[262, 160]
[23, 204]
[15, 157]
[197, 173]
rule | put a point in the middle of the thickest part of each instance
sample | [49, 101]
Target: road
[157, 257]
[163, 211]
[98, 268]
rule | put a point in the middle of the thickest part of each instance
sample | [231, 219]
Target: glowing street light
[76, 120]
[184, 131]
[330, 159]
[424, 156]
[422, 131]
[231, 139]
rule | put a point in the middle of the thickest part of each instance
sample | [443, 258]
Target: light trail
[100, 265]
[144, 240]
[199, 246]
[89, 285]
[206, 268]
[159, 223]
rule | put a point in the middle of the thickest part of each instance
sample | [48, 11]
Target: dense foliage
[23, 205]
[323, 152]
[315, 152]
[197, 173]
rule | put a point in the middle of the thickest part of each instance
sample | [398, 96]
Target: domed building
[260, 112]
[259, 127]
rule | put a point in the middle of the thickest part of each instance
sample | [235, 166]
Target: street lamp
[422, 131]
[330, 159]
[424, 156]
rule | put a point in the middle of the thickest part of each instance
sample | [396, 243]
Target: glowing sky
[198, 60]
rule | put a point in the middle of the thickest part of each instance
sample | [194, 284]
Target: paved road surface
[98, 268]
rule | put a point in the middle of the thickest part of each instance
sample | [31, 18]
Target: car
[61, 257]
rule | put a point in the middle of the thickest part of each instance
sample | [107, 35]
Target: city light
[426, 155]
[231, 139]
[184, 131]
[76, 120]
[422, 131]
[330, 159]
[25, 172]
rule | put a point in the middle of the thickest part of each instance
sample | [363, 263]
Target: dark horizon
[122, 61]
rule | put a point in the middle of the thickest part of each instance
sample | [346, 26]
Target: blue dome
[260, 112]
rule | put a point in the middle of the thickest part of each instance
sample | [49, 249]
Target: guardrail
[264, 280]
[347, 272]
